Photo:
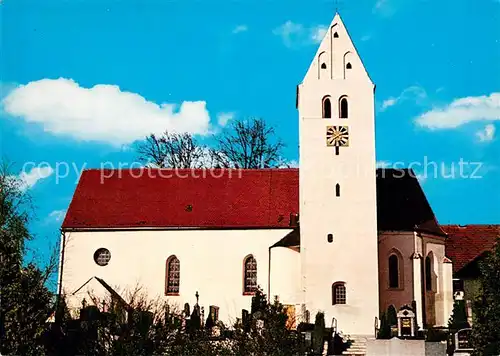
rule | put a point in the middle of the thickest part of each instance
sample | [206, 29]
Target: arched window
[393, 271]
[250, 275]
[327, 108]
[337, 190]
[339, 293]
[343, 108]
[335, 35]
[173, 276]
[349, 66]
[323, 65]
[428, 273]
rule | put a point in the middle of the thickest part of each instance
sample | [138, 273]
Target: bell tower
[338, 210]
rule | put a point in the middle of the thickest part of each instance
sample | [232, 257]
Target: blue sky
[82, 80]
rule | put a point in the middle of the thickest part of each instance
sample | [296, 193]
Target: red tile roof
[262, 198]
[465, 243]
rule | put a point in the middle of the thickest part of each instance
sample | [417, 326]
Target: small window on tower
[343, 108]
[329, 237]
[323, 65]
[349, 66]
[337, 190]
[327, 108]
[335, 35]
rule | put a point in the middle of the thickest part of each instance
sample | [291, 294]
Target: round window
[102, 256]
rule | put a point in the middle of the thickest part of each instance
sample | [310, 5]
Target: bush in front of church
[266, 332]
[385, 331]
[458, 318]
[318, 336]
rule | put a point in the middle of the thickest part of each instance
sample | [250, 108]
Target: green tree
[25, 301]
[458, 318]
[259, 303]
[485, 337]
[392, 316]
[318, 336]
[385, 331]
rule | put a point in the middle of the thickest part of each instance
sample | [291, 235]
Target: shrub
[319, 333]
[385, 329]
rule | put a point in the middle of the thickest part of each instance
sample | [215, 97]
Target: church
[337, 235]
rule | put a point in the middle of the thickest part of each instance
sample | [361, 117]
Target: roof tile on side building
[465, 243]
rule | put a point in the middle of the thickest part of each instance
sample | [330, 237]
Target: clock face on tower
[337, 136]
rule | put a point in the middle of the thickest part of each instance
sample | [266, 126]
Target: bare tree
[173, 150]
[247, 144]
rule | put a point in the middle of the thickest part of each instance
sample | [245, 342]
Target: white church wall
[403, 245]
[211, 262]
[285, 275]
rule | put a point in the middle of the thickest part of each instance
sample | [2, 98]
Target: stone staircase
[358, 346]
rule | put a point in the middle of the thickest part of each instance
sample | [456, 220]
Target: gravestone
[406, 322]
[462, 340]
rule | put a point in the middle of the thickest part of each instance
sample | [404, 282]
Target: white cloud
[462, 111]
[101, 113]
[57, 215]
[486, 134]
[240, 28]
[388, 103]
[296, 35]
[384, 8]
[224, 117]
[288, 31]
[413, 93]
[29, 179]
[318, 33]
